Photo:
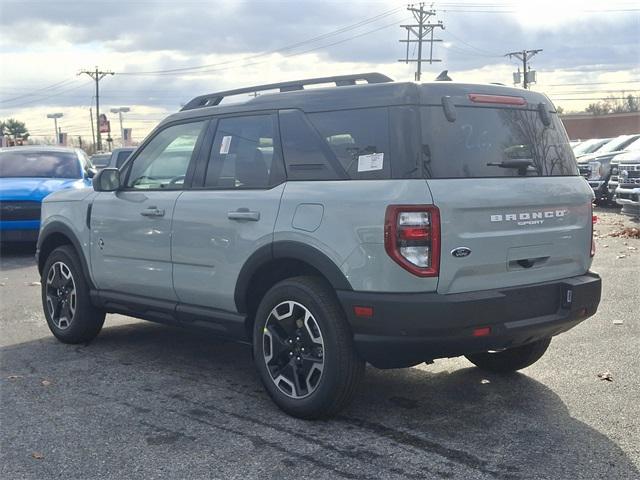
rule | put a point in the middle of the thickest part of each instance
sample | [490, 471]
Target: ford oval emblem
[461, 252]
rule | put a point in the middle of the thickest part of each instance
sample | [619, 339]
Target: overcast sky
[590, 50]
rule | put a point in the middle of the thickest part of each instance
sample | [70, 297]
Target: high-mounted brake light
[412, 238]
[499, 99]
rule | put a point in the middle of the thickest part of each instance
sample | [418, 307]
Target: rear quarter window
[359, 139]
[481, 136]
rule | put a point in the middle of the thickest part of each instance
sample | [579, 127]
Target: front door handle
[244, 214]
[153, 212]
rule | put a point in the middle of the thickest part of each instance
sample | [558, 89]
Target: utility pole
[97, 75]
[423, 33]
[528, 75]
[93, 132]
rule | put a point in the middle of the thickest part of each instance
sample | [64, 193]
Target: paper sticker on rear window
[225, 144]
[371, 162]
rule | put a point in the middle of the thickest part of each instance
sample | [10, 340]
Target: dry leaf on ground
[606, 376]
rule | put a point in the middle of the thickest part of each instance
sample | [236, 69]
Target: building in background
[581, 126]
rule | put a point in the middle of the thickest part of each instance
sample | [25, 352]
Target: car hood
[598, 157]
[35, 189]
[632, 156]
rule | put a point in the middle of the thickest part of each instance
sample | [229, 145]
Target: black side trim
[259, 258]
[63, 229]
[287, 250]
[222, 323]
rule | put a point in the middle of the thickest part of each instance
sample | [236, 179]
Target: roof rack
[213, 99]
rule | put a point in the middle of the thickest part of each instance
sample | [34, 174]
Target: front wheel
[304, 350]
[511, 359]
[65, 298]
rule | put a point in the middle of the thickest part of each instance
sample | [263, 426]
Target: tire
[511, 359]
[319, 352]
[65, 298]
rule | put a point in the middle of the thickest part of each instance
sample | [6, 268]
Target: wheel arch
[54, 235]
[277, 261]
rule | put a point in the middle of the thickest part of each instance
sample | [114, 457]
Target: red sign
[104, 125]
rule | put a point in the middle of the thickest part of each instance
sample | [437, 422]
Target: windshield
[40, 164]
[589, 146]
[494, 142]
[634, 146]
[615, 144]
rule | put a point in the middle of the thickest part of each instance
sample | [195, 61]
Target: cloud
[44, 42]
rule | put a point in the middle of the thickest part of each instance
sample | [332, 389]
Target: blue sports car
[27, 175]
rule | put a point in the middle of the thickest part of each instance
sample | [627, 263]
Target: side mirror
[107, 180]
[90, 172]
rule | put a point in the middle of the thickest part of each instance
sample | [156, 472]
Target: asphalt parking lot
[148, 401]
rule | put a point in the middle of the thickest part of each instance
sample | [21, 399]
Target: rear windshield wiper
[521, 164]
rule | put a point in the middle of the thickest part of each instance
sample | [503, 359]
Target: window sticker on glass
[225, 144]
[368, 163]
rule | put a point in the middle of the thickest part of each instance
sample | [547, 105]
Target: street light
[120, 111]
[55, 117]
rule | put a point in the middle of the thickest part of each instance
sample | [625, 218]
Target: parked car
[27, 176]
[589, 146]
[627, 182]
[596, 167]
[101, 160]
[381, 222]
[120, 155]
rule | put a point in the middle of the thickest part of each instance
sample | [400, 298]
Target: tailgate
[519, 230]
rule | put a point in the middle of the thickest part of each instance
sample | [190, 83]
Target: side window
[306, 155]
[245, 154]
[359, 139]
[163, 162]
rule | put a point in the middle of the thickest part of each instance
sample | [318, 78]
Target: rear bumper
[410, 328]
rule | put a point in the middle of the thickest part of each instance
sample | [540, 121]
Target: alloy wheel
[293, 349]
[61, 295]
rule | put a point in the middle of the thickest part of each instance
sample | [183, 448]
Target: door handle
[244, 214]
[153, 212]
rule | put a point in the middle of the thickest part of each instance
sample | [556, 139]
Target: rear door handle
[244, 214]
[153, 212]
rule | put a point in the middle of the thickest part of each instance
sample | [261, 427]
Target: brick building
[581, 126]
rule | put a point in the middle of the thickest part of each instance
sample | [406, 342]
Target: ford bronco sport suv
[368, 221]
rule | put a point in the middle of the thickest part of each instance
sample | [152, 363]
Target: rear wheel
[304, 350]
[65, 298]
[511, 359]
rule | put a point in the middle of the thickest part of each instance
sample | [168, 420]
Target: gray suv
[368, 221]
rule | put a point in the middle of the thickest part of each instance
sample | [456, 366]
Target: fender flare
[63, 229]
[293, 250]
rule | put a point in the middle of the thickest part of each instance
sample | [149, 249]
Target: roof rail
[213, 99]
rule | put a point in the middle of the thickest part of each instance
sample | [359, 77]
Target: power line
[34, 92]
[56, 94]
[271, 52]
[353, 37]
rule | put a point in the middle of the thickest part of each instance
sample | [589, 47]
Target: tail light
[594, 219]
[412, 238]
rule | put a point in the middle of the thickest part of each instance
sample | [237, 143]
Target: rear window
[101, 160]
[39, 164]
[482, 136]
[122, 156]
